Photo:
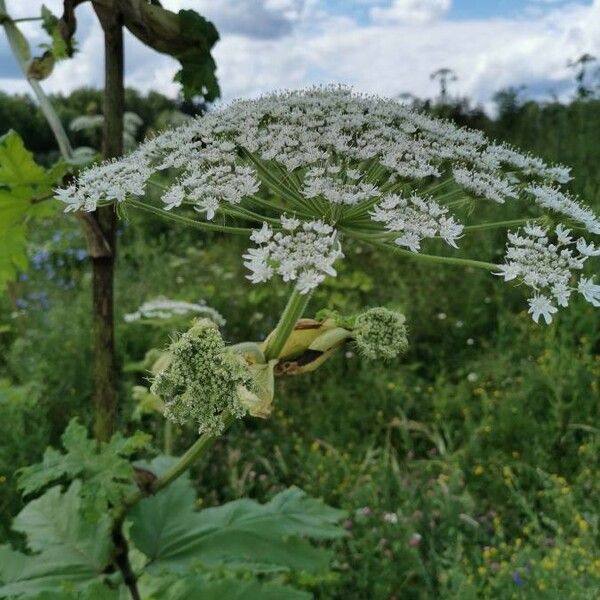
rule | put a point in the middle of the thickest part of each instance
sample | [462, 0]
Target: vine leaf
[63, 44]
[18, 169]
[197, 74]
[59, 48]
[68, 550]
[23, 185]
[107, 474]
[186, 36]
[240, 534]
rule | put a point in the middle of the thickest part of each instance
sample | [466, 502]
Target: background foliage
[468, 470]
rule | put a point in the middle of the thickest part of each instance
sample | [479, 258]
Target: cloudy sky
[387, 47]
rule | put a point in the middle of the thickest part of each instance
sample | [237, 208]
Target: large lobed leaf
[195, 587]
[19, 171]
[24, 185]
[68, 550]
[240, 534]
[104, 468]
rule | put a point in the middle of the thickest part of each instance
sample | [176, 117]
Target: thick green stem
[168, 442]
[193, 453]
[52, 118]
[293, 311]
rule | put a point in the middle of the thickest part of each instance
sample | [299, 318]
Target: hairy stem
[168, 441]
[192, 454]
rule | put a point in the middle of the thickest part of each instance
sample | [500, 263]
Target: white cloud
[411, 11]
[384, 57]
[391, 58]
[252, 18]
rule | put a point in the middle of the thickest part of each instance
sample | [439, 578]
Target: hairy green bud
[381, 333]
[203, 380]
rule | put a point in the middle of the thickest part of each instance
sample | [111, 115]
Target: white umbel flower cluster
[484, 184]
[416, 219]
[303, 252]
[548, 267]
[338, 188]
[557, 201]
[113, 180]
[338, 161]
[330, 143]
[164, 308]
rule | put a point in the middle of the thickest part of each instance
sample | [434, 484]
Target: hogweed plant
[301, 175]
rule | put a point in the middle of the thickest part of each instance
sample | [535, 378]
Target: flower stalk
[192, 455]
[293, 311]
[187, 221]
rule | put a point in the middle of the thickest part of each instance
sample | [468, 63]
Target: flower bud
[203, 380]
[380, 333]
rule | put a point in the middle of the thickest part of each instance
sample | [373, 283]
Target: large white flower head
[369, 168]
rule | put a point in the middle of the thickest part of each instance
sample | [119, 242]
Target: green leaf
[23, 185]
[186, 36]
[59, 47]
[69, 550]
[52, 522]
[96, 591]
[107, 474]
[198, 68]
[13, 253]
[239, 534]
[194, 587]
[17, 167]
